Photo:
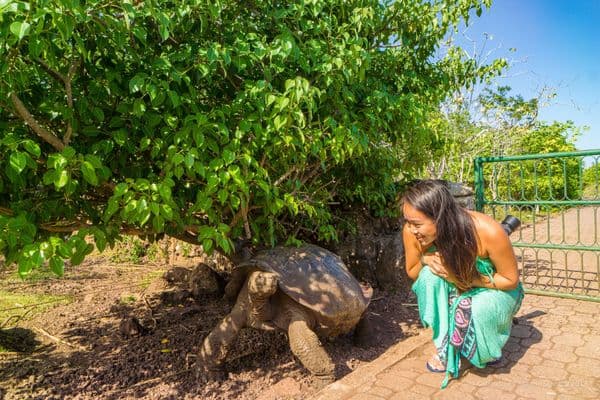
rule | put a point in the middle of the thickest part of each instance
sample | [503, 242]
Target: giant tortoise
[306, 291]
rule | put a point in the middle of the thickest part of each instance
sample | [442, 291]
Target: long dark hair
[456, 239]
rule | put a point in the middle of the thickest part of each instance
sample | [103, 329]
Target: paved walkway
[553, 353]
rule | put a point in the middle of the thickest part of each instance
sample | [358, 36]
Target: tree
[508, 125]
[211, 120]
[591, 180]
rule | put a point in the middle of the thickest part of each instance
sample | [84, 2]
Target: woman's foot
[493, 362]
[435, 364]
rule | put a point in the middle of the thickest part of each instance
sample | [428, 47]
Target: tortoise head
[263, 284]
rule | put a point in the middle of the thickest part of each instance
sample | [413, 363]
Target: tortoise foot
[321, 381]
[204, 374]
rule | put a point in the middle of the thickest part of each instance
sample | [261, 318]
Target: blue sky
[557, 45]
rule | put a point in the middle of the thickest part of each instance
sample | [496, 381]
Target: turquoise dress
[475, 324]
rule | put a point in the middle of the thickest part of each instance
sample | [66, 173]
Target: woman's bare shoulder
[487, 227]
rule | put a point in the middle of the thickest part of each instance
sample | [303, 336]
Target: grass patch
[128, 299]
[150, 277]
[19, 306]
[15, 306]
[35, 275]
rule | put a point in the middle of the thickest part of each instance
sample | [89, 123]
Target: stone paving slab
[553, 353]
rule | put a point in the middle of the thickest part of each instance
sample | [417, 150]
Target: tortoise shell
[317, 279]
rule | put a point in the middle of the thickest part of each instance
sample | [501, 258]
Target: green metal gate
[557, 198]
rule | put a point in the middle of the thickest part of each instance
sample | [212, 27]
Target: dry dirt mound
[93, 348]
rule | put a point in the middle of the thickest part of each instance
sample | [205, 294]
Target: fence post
[478, 169]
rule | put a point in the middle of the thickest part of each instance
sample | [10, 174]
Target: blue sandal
[493, 362]
[433, 369]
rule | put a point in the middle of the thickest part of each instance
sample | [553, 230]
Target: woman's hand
[434, 261]
[437, 266]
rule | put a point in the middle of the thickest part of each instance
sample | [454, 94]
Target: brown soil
[92, 348]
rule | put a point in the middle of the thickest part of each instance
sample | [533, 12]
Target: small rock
[175, 297]
[131, 326]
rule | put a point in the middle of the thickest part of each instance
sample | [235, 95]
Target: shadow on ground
[524, 334]
[95, 360]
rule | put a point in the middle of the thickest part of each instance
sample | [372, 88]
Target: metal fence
[557, 198]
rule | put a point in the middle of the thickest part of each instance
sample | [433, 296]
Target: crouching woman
[466, 277]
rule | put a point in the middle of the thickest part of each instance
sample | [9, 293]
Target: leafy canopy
[211, 120]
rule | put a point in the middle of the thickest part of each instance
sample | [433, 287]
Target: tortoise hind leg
[364, 334]
[306, 346]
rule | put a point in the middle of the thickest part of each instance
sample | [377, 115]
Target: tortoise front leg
[233, 287]
[216, 345]
[306, 346]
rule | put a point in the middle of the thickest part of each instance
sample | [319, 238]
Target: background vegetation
[214, 120]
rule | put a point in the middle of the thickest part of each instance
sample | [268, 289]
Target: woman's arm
[496, 243]
[415, 259]
[412, 254]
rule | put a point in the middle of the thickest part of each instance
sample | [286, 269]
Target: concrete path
[553, 353]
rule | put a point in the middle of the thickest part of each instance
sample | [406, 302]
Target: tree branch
[6, 211]
[66, 228]
[34, 125]
[243, 214]
[66, 80]
[69, 91]
[186, 237]
[57, 75]
[284, 176]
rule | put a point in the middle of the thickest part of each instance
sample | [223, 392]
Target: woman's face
[419, 225]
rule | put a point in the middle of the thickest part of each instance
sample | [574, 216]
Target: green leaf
[166, 211]
[111, 209]
[49, 177]
[69, 152]
[77, 258]
[57, 161]
[89, 173]
[137, 83]
[100, 239]
[228, 156]
[280, 121]
[20, 29]
[140, 33]
[154, 208]
[198, 137]
[32, 147]
[96, 162]
[61, 179]
[145, 143]
[178, 159]
[189, 160]
[164, 31]
[57, 265]
[223, 194]
[144, 216]
[130, 207]
[207, 245]
[158, 223]
[120, 189]
[139, 107]
[64, 249]
[18, 161]
[165, 191]
[98, 114]
[175, 100]
[25, 265]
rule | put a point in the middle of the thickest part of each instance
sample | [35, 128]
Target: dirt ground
[91, 349]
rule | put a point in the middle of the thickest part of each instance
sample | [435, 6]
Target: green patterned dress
[475, 324]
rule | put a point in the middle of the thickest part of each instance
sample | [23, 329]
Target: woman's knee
[428, 277]
[428, 282]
